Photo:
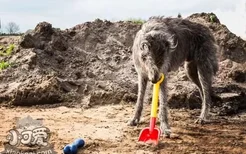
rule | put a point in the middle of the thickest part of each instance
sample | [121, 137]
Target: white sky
[67, 13]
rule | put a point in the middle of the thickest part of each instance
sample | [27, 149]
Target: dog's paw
[201, 121]
[133, 122]
[166, 132]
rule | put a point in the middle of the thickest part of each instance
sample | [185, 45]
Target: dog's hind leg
[205, 74]
[192, 73]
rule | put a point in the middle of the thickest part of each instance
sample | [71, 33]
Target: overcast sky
[67, 13]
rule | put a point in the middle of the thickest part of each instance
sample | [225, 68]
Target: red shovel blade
[149, 137]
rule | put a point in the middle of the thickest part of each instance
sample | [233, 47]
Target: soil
[81, 81]
[105, 131]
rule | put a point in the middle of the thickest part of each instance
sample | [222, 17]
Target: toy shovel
[151, 134]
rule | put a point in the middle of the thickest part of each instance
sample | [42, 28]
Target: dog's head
[154, 48]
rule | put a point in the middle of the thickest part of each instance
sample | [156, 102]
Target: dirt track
[105, 130]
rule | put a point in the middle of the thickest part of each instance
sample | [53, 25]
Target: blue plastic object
[66, 149]
[79, 142]
[73, 148]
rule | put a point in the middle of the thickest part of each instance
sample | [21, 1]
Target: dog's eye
[144, 47]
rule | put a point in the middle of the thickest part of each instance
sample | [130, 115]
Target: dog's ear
[171, 43]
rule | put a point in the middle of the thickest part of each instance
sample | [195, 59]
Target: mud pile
[91, 64]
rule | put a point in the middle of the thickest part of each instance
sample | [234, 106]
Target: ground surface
[105, 130]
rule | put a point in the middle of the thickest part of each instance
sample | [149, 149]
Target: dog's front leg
[163, 112]
[142, 84]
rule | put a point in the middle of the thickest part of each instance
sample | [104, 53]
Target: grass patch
[6, 51]
[212, 18]
[137, 21]
[10, 49]
[4, 65]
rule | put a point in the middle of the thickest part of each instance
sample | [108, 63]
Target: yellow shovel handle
[156, 97]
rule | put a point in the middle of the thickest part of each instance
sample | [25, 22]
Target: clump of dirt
[91, 64]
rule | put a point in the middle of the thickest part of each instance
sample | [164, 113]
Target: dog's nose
[156, 78]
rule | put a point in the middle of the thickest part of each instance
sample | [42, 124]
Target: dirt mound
[90, 64]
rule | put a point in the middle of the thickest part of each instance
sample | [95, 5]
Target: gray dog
[164, 44]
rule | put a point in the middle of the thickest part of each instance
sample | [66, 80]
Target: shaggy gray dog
[163, 45]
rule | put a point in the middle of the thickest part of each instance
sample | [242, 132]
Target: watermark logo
[29, 137]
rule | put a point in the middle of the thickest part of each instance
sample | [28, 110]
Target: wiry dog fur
[164, 44]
